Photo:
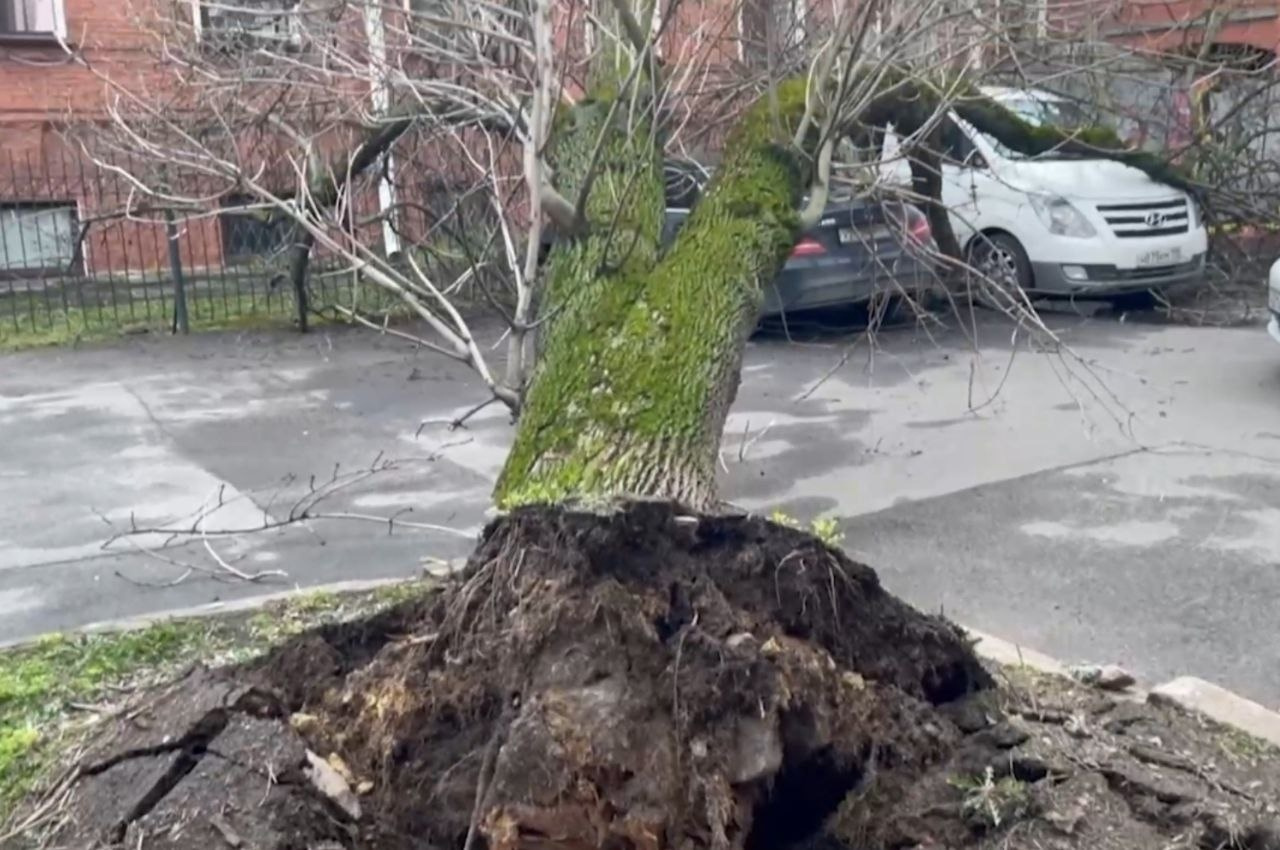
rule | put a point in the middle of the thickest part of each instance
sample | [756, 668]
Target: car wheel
[886, 310]
[1000, 263]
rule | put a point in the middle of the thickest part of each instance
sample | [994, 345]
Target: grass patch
[29, 322]
[1240, 745]
[989, 803]
[40, 683]
[54, 690]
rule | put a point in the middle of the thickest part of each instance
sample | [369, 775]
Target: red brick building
[47, 192]
[55, 210]
[1182, 25]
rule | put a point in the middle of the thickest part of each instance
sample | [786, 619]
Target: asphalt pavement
[1112, 499]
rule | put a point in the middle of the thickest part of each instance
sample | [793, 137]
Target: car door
[964, 170]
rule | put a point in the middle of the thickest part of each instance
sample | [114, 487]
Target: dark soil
[647, 680]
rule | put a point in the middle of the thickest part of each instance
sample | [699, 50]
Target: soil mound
[640, 680]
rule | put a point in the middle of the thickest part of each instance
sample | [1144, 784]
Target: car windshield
[1041, 112]
[1038, 111]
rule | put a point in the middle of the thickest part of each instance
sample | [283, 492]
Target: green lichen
[827, 529]
[638, 372]
[784, 519]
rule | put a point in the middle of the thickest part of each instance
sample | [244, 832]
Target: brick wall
[39, 80]
[42, 91]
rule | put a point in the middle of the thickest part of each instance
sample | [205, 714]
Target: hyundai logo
[1155, 218]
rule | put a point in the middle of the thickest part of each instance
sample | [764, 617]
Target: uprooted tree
[624, 664]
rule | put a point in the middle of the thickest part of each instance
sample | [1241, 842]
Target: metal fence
[81, 252]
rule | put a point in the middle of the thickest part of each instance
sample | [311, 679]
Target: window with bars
[251, 234]
[233, 25]
[37, 237]
[31, 18]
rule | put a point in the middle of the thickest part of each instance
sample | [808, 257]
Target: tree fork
[639, 370]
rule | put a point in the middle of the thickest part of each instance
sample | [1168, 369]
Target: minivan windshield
[1057, 113]
[1041, 112]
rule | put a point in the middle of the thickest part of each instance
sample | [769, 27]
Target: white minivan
[1057, 224]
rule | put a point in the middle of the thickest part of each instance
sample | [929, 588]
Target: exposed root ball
[649, 680]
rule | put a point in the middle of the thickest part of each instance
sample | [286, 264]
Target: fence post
[180, 320]
[299, 263]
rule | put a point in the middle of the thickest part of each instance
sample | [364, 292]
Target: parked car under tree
[862, 248]
[1060, 225]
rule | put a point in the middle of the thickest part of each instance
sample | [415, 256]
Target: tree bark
[641, 364]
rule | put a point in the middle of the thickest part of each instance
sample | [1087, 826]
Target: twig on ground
[226, 567]
[746, 444]
[186, 574]
[187, 568]
[224, 829]
[844, 358]
[458, 421]
[301, 513]
[1152, 755]
[1055, 716]
[1013, 353]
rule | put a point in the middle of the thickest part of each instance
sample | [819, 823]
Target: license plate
[867, 235]
[1167, 257]
[1273, 299]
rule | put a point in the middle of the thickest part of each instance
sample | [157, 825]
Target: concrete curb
[1010, 654]
[1187, 692]
[436, 569]
[213, 609]
[1222, 705]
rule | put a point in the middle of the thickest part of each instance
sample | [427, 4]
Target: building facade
[60, 214]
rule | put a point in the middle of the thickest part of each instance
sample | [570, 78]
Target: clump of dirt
[647, 679]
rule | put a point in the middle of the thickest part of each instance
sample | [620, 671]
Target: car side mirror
[975, 159]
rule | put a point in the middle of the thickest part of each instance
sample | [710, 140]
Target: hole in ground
[804, 793]
[948, 683]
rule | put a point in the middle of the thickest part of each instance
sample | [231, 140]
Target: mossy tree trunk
[641, 350]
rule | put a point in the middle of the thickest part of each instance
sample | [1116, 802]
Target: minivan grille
[1153, 218]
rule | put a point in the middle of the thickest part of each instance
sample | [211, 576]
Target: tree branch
[630, 26]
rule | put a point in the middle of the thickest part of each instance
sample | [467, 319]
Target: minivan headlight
[1061, 217]
[1193, 213]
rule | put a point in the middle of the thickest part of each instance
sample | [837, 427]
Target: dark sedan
[858, 249]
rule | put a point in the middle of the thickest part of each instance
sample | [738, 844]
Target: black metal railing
[81, 253]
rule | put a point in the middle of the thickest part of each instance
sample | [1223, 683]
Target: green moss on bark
[635, 382]
[908, 103]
